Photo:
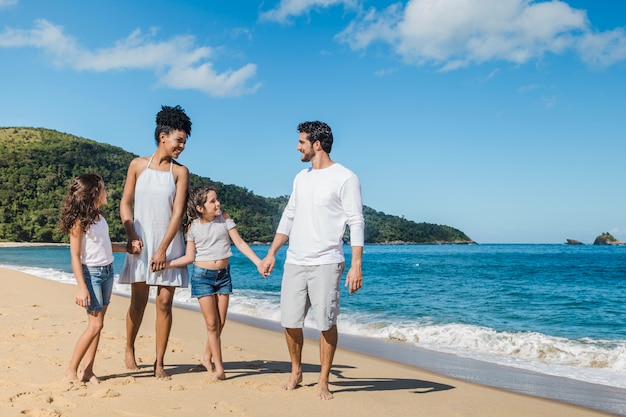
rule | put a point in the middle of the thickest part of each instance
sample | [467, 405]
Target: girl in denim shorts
[91, 255]
[210, 233]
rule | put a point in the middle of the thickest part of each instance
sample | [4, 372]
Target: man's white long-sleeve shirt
[322, 203]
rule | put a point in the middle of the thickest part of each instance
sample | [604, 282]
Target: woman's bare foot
[293, 382]
[129, 360]
[159, 372]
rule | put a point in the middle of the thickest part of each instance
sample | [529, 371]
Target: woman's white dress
[154, 200]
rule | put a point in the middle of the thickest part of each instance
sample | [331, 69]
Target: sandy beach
[39, 325]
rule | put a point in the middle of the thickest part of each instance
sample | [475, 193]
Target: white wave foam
[597, 361]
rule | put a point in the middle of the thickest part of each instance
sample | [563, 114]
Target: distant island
[607, 239]
[604, 239]
[38, 164]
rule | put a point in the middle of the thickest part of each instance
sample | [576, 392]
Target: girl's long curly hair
[81, 204]
[197, 197]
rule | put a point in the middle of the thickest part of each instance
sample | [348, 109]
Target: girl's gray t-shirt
[211, 238]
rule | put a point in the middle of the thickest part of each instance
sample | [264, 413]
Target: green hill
[36, 166]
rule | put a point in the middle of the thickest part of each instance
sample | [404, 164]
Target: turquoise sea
[555, 310]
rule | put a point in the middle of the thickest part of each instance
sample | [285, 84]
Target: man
[325, 198]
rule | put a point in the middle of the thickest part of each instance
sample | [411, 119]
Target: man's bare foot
[293, 382]
[323, 393]
[129, 360]
[160, 373]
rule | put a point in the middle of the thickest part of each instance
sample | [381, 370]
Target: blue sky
[503, 118]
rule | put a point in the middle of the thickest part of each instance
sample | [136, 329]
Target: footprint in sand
[41, 412]
[211, 380]
[103, 393]
[236, 348]
[41, 398]
[125, 381]
[74, 386]
[260, 386]
[31, 397]
[225, 407]
[108, 393]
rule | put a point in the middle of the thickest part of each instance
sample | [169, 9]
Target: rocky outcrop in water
[607, 239]
[573, 242]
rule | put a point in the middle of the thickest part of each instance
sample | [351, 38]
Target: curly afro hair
[170, 119]
[318, 131]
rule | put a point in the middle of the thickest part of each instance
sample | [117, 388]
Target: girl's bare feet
[210, 366]
[90, 377]
[71, 376]
[219, 376]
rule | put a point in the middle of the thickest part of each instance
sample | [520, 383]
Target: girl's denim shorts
[99, 280]
[210, 281]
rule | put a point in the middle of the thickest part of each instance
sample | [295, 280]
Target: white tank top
[96, 245]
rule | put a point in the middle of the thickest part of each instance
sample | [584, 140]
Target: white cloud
[453, 34]
[526, 88]
[204, 78]
[170, 60]
[62, 49]
[7, 3]
[372, 26]
[603, 49]
[287, 9]
[549, 101]
[491, 75]
[385, 72]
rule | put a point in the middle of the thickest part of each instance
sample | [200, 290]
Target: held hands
[134, 246]
[157, 262]
[266, 266]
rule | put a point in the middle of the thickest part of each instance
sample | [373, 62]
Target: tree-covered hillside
[37, 165]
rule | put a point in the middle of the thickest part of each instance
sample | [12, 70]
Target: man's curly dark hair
[170, 119]
[318, 131]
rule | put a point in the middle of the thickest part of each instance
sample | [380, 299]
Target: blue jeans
[99, 280]
[210, 281]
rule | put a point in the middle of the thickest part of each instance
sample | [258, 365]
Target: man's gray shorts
[306, 286]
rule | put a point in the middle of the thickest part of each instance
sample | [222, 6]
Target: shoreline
[40, 325]
[18, 244]
[570, 391]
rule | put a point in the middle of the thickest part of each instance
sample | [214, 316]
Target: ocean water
[554, 309]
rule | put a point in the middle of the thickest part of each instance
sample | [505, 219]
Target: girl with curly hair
[91, 254]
